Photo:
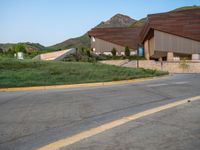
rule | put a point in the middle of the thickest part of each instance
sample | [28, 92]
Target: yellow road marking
[94, 131]
[77, 85]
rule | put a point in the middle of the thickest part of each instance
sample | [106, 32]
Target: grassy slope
[14, 73]
[82, 41]
[138, 23]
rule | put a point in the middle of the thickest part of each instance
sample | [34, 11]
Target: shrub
[114, 51]
[1, 50]
[127, 51]
[82, 49]
[20, 48]
[88, 53]
[183, 64]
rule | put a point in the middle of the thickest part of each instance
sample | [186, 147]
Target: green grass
[139, 23]
[15, 73]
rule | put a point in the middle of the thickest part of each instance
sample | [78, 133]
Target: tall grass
[16, 73]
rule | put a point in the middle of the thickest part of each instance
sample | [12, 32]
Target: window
[93, 39]
[132, 52]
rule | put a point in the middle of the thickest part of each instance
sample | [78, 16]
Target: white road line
[157, 85]
[180, 83]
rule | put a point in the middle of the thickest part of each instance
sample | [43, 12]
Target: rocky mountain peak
[118, 20]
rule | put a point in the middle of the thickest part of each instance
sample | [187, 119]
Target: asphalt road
[32, 119]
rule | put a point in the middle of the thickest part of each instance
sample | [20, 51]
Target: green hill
[82, 41]
[139, 22]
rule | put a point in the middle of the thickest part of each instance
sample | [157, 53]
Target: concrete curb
[68, 86]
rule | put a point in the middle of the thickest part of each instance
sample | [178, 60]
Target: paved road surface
[31, 119]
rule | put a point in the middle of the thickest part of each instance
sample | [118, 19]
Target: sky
[49, 22]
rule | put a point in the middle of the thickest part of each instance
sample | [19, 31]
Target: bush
[127, 51]
[1, 50]
[20, 48]
[183, 64]
[114, 51]
[88, 53]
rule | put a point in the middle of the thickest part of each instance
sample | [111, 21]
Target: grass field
[16, 73]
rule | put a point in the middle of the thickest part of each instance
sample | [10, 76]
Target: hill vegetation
[139, 23]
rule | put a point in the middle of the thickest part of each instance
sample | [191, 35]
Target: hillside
[118, 20]
[28, 46]
[139, 22]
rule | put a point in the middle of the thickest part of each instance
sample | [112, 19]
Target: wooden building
[165, 36]
[172, 35]
[103, 40]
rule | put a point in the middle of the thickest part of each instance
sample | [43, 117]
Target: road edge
[69, 86]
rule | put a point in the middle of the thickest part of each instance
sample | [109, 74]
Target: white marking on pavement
[157, 85]
[180, 83]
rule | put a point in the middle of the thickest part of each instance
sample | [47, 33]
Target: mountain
[29, 46]
[118, 20]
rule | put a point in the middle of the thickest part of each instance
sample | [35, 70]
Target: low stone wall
[172, 67]
[115, 62]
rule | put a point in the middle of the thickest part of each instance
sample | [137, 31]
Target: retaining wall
[172, 67]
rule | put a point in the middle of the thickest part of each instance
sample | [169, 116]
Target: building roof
[185, 23]
[126, 36]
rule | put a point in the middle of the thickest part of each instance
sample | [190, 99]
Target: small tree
[88, 52]
[20, 48]
[77, 56]
[183, 64]
[127, 51]
[10, 51]
[114, 51]
[82, 49]
[1, 50]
